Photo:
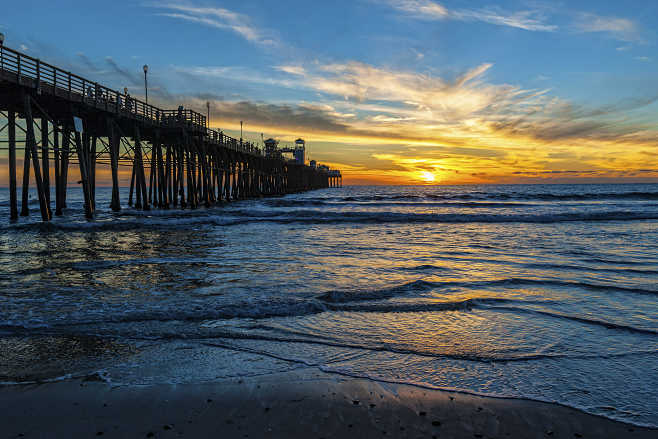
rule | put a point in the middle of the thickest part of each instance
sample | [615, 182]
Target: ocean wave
[579, 319]
[359, 217]
[241, 217]
[426, 286]
[615, 270]
[507, 282]
[479, 358]
[512, 195]
[378, 202]
[179, 312]
[424, 267]
[377, 294]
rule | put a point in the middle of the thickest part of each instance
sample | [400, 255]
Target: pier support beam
[58, 179]
[13, 206]
[45, 163]
[31, 144]
[114, 143]
[140, 178]
[83, 164]
[64, 173]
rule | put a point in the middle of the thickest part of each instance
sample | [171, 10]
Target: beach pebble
[166, 427]
[356, 402]
[422, 413]
[436, 423]
[150, 434]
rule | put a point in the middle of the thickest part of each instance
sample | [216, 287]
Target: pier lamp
[2, 39]
[208, 119]
[146, 89]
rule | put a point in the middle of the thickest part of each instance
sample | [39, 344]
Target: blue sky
[463, 90]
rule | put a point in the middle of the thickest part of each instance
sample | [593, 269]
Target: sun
[427, 177]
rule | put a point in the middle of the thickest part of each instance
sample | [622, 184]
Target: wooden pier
[176, 161]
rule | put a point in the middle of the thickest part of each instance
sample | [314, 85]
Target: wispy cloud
[429, 10]
[622, 29]
[292, 69]
[537, 20]
[220, 18]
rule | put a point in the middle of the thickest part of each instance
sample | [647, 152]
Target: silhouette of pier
[176, 160]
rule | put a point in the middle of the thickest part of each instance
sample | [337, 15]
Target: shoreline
[301, 403]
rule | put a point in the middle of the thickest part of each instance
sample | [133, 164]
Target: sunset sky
[390, 91]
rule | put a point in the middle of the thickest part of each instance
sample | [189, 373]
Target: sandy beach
[299, 404]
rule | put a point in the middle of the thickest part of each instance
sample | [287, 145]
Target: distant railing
[32, 72]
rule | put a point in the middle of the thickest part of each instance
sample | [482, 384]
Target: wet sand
[301, 404]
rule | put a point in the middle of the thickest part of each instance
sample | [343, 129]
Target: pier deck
[176, 160]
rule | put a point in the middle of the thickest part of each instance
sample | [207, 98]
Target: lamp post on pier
[146, 89]
[208, 118]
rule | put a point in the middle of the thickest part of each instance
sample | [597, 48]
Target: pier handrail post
[38, 85]
[2, 52]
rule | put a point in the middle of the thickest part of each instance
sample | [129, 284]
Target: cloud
[429, 10]
[643, 58]
[291, 117]
[293, 70]
[621, 29]
[537, 20]
[421, 8]
[527, 20]
[219, 18]
[132, 78]
[473, 73]
[358, 100]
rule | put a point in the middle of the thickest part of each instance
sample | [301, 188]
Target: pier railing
[31, 72]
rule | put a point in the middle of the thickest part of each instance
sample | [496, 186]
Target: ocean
[545, 292]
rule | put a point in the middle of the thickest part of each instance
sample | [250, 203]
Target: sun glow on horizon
[427, 177]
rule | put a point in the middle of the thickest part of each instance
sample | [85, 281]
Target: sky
[389, 91]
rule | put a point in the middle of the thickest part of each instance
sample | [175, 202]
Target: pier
[175, 159]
